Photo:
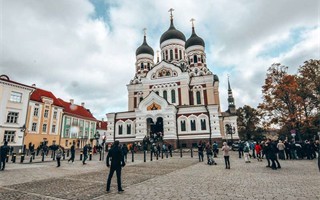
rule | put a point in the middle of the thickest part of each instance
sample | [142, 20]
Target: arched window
[141, 65]
[166, 54]
[195, 59]
[171, 54]
[176, 53]
[173, 96]
[198, 95]
[128, 129]
[157, 92]
[120, 130]
[183, 125]
[193, 124]
[148, 66]
[163, 56]
[180, 54]
[202, 58]
[140, 99]
[203, 124]
[165, 94]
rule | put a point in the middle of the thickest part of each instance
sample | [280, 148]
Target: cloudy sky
[85, 49]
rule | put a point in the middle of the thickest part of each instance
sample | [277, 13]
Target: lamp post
[230, 131]
[97, 137]
[23, 129]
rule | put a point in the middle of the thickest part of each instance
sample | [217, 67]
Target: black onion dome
[194, 40]
[172, 33]
[144, 48]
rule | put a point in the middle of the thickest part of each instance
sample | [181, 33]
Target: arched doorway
[155, 130]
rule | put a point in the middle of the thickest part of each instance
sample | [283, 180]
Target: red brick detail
[188, 114]
[125, 119]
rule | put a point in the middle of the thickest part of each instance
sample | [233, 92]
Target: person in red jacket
[258, 149]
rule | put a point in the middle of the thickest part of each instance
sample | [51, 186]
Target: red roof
[76, 110]
[39, 93]
[102, 125]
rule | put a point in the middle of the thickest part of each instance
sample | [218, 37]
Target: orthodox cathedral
[176, 96]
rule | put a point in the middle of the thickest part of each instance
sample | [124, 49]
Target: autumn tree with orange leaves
[292, 101]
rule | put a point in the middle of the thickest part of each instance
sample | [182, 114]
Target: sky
[85, 49]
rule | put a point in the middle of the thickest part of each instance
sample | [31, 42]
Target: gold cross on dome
[171, 10]
[192, 21]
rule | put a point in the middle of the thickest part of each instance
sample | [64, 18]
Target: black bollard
[100, 156]
[30, 159]
[157, 156]
[7, 158]
[161, 154]
[13, 157]
[42, 157]
[166, 154]
[64, 156]
[180, 153]
[191, 152]
[151, 155]
[68, 153]
[21, 158]
[90, 155]
[144, 156]
[132, 154]
[81, 155]
[33, 155]
[54, 155]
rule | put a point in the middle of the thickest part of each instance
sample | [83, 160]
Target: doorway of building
[155, 130]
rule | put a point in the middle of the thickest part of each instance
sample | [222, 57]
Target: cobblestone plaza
[167, 178]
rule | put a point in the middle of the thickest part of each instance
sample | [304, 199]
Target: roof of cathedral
[76, 110]
[144, 48]
[172, 33]
[39, 93]
[194, 40]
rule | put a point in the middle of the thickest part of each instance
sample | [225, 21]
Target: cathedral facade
[176, 96]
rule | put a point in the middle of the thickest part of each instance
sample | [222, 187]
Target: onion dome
[144, 48]
[172, 33]
[194, 40]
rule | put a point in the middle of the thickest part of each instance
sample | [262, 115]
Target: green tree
[248, 123]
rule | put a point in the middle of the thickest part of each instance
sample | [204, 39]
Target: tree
[248, 121]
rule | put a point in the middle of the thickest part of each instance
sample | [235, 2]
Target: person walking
[59, 153]
[85, 154]
[117, 162]
[281, 147]
[246, 151]
[73, 153]
[125, 151]
[200, 151]
[258, 149]
[225, 149]
[4, 150]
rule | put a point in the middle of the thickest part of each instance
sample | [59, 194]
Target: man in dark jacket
[4, 150]
[85, 153]
[73, 152]
[117, 162]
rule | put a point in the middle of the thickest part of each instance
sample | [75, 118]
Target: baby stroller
[211, 160]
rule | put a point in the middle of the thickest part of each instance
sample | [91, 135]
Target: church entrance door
[155, 130]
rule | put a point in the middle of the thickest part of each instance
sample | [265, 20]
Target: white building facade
[14, 100]
[177, 96]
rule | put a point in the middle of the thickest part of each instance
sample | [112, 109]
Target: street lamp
[97, 137]
[230, 130]
[23, 129]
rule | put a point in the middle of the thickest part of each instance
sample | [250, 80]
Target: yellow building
[44, 118]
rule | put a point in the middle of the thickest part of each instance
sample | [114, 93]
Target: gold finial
[192, 22]
[171, 10]
[144, 31]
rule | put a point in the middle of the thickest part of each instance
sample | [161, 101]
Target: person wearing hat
[4, 150]
[117, 162]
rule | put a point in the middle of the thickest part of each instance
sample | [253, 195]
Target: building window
[202, 58]
[180, 54]
[176, 53]
[67, 132]
[16, 97]
[34, 127]
[53, 129]
[120, 129]
[128, 129]
[148, 66]
[203, 124]
[193, 125]
[171, 54]
[75, 122]
[46, 113]
[140, 99]
[195, 59]
[55, 115]
[141, 66]
[173, 96]
[36, 112]
[166, 54]
[9, 136]
[198, 97]
[44, 128]
[165, 95]
[157, 92]
[68, 120]
[12, 117]
[183, 125]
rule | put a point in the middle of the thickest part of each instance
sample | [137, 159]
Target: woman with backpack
[225, 149]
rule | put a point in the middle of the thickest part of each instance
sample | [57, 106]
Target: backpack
[246, 148]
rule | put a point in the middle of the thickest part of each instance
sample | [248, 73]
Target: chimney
[82, 104]
[72, 101]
